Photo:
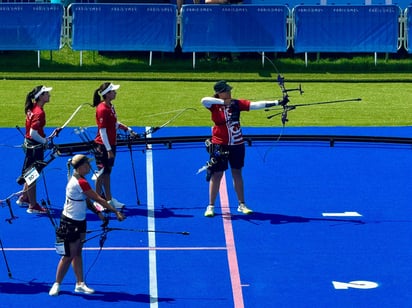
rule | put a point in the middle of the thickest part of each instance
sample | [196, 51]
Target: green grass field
[150, 95]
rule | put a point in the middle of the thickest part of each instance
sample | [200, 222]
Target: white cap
[42, 90]
[111, 87]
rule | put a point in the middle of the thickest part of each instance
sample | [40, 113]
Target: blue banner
[408, 26]
[30, 26]
[234, 28]
[368, 28]
[124, 27]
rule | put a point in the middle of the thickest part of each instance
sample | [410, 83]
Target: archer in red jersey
[35, 142]
[106, 138]
[227, 145]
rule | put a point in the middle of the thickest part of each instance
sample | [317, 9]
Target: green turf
[150, 95]
[141, 103]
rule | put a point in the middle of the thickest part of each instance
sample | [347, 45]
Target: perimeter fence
[255, 27]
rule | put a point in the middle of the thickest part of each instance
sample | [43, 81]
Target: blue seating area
[262, 26]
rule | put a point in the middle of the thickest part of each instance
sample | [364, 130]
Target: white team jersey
[75, 205]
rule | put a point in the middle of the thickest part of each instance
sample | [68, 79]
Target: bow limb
[56, 132]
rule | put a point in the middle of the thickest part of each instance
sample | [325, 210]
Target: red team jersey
[227, 129]
[106, 118]
[35, 119]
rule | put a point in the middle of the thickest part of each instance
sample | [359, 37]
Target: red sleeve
[244, 105]
[38, 120]
[35, 122]
[84, 185]
[101, 116]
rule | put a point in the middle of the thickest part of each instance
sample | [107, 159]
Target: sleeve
[263, 104]
[105, 138]
[101, 117]
[36, 122]
[34, 134]
[84, 185]
[209, 101]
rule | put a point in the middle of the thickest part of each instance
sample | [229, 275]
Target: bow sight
[285, 91]
[281, 83]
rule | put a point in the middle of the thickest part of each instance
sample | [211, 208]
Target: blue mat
[331, 227]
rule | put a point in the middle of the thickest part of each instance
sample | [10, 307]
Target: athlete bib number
[31, 176]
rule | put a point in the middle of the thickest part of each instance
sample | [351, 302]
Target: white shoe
[244, 209]
[55, 289]
[82, 288]
[210, 211]
[116, 204]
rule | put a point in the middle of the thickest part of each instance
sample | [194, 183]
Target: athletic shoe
[23, 201]
[37, 209]
[244, 209]
[210, 211]
[116, 204]
[55, 289]
[82, 288]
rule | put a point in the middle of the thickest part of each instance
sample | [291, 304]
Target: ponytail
[69, 164]
[28, 105]
[96, 96]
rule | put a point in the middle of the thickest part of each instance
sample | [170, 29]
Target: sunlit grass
[150, 94]
[142, 103]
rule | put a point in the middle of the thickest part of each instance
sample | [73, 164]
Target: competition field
[331, 227]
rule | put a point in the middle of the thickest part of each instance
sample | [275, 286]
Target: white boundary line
[151, 226]
[118, 248]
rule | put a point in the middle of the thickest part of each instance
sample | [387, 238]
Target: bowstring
[102, 241]
[281, 84]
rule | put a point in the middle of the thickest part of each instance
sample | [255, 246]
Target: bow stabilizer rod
[287, 108]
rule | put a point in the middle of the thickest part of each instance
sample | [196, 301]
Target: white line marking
[344, 214]
[151, 226]
[118, 248]
[357, 284]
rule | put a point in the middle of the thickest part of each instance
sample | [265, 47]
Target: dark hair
[28, 105]
[96, 96]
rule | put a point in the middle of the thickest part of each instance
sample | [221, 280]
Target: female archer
[106, 138]
[72, 229]
[35, 142]
[227, 145]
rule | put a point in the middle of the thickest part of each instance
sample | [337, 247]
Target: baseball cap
[221, 86]
[79, 159]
